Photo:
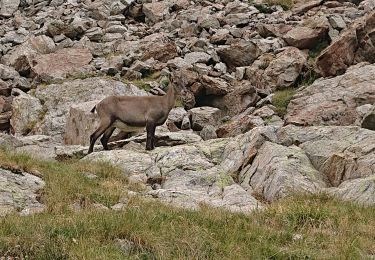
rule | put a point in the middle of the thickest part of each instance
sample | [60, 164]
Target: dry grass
[303, 227]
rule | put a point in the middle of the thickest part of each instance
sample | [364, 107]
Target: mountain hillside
[275, 105]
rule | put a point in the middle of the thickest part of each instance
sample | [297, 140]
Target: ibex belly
[127, 128]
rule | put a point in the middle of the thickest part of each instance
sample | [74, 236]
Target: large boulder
[354, 45]
[8, 7]
[278, 171]
[155, 11]
[21, 57]
[202, 116]
[157, 46]
[334, 101]
[283, 71]
[304, 37]
[80, 123]
[239, 54]
[58, 98]
[63, 63]
[26, 112]
[340, 153]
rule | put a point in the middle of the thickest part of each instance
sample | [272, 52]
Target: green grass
[285, 4]
[300, 227]
[281, 100]
[144, 82]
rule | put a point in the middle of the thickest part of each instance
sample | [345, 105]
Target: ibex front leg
[150, 128]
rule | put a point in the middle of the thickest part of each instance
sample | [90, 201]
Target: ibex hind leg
[104, 125]
[105, 138]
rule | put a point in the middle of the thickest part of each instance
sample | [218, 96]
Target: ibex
[131, 113]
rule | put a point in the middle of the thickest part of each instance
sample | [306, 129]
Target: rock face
[18, 192]
[343, 154]
[189, 174]
[271, 163]
[334, 101]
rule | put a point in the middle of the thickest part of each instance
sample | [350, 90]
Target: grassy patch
[300, 227]
[141, 84]
[281, 100]
[285, 4]
[144, 83]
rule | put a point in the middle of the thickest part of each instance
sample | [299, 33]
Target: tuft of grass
[298, 227]
[281, 99]
[178, 102]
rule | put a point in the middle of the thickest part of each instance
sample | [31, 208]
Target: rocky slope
[231, 141]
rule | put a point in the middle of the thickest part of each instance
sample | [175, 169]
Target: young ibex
[131, 113]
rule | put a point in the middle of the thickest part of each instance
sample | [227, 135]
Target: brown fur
[134, 112]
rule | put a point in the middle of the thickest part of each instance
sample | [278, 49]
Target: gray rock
[202, 116]
[283, 71]
[208, 22]
[278, 171]
[155, 11]
[80, 123]
[340, 153]
[18, 192]
[239, 54]
[337, 22]
[195, 57]
[361, 191]
[208, 132]
[26, 112]
[334, 101]
[8, 7]
[7, 72]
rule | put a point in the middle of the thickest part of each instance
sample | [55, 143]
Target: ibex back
[131, 113]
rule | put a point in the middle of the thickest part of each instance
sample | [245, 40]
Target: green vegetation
[281, 100]
[141, 84]
[285, 4]
[144, 83]
[301, 227]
